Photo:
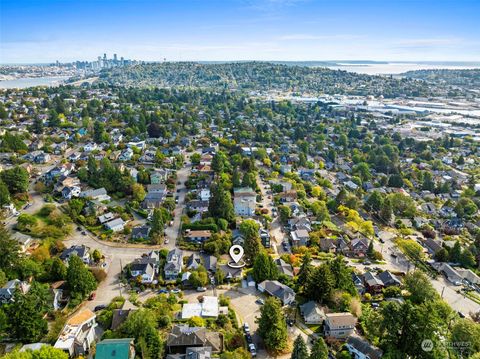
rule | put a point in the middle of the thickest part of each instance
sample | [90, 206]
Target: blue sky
[428, 30]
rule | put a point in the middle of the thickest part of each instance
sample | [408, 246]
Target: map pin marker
[236, 252]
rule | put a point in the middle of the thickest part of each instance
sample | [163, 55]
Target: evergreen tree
[9, 250]
[220, 204]
[306, 270]
[4, 194]
[386, 213]
[374, 202]
[37, 126]
[264, 267]
[272, 326]
[80, 280]
[157, 225]
[300, 350]
[321, 284]
[319, 350]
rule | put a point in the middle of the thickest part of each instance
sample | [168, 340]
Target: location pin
[236, 252]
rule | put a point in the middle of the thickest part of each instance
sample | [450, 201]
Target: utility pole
[443, 290]
[121, 277]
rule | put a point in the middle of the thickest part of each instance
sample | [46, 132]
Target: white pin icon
[236, 252]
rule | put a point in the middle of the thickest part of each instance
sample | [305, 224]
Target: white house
[115, 225]
[244, 201]
[78, 335]
[89, 147]
[205, 194]
[312, 313]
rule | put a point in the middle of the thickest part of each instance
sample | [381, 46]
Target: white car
[246, 328]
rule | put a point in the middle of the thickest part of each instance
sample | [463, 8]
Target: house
[300, 237]
[146, 267]
[70, 192]
[265, 237]
[81, 251]
[153, 200]
[373, 284]
[115, 349]
[158, 176]
[327, 245]
[358, 282]
[140, 232]
[182, 337]
[357, 248]
[450, 273]
[210, 263]
[7, 292]
[361, 349]
[197, 205]
[99, 194]
[193, 353]
[119, 316]
[89, 147]
[244, 201]
[284, 268]
[432, 245]
[389, 279]
[197, 236]
[174, 263]
[231, 273]
[208, 308]
[24, 241]
[104, 218]
[126, 155]
[205, 194]
[115, 225]
[194, 261]
[279, 290]
[339, 325]
[312, 313]
[157, 188]
[78, 334]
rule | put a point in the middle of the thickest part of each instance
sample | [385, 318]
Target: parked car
[248, 336]
[166, 241]
[84, 233]
[175, 291]
[201, 289]
[367, 263]
[162, 291]
[252, 349]
[260, 301]
[246, 328]
[99, 307]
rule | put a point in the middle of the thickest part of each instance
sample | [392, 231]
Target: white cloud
[302, 37]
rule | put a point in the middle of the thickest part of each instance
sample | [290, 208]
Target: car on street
[100, 307]
[393, 255]
[249, 338]
[260, 301]
[367, 263]
[246, 328]
[201, 289]
[84, 233]
[162, 291]
[79, 228]
[166, 241]
[252, 349]
[175, 291]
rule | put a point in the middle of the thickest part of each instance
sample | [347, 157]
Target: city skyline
[288, 30]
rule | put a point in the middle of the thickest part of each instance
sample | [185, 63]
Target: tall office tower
[122, 61]
[105, 57]
[115, 57]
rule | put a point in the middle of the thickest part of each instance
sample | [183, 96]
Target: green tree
[16, 179]
[26, 318]
[306, 270]
[138, 192]
[157, 225]
[142, 326]
[272, 326]
[466, 331]
[374, 202]
[319, 350]
[285, 213]
[4, 194]
[300, 350]
[3, 278]
[386, 213]
[45, 352]
[419, 287]
[220, 204]
[320, 210]
[321, 284]
[58, 270]
[199, 277]
[264, 268]
[80, 280]
[9, 250]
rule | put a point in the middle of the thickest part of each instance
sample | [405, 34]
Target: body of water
[33, 81]
[395, 68]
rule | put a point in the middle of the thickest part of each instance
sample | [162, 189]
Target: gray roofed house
[120, 315]
[8, 290]
[182, 337]
[279, 290]
[194, 261]
[193, 353]
[98, 194]
[312, 313]
[210, 263]
[231, 273]
[153, 200]
[284, 267]
[81, 251]
[115, 225]
[361, 348]
[389, 279]
[140, 232]
[174, 263]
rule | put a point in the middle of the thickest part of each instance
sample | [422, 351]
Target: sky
[298, 30]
